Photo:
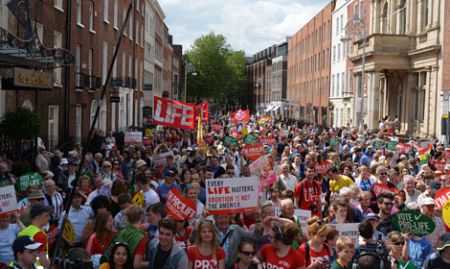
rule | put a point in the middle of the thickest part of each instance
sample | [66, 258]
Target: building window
[332, 86]
[356, 10]
[339, 53]
[337, 26]
[58, 4]
[425, 4]
[114, 74]
[343, 83]
[90, 61]
[78, 63]
[40, 32]
[79, 15]
[91, 15]
[342, 23]
[402, 21]
[384, 19]
[116, 13]
[130, 23]
[124, 64]
[334, 54]
[57, 43]
[104, 61]
[421, 82]
[350, 81]
[106, 10]
[78, 118]
[124, 17]
[337, 85]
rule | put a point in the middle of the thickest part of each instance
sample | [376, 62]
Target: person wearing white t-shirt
[289, 181]
[150, 196]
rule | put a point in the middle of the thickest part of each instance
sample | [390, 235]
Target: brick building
[309, 69]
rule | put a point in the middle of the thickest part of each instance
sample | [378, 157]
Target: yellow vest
[31, 231]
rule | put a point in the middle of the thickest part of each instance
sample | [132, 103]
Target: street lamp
[355, 22]
[189, 69]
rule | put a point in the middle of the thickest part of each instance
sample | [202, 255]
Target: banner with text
[252, 152]
[133, 138]
[231, 195]
[202, 110]
[348, 229]
[178, 207]
[173, 113]
[8, 201]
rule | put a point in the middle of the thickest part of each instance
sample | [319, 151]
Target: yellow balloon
[446, 213]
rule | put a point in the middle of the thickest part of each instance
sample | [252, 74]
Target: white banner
[133, 138]
[348, 229]
[160, 159]
[8, 201]
[231, 195]
[303, 216]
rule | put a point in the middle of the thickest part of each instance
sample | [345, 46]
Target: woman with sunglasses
[396, 247]
[206, 253]
[246, 253]
[279, 253]
[120, 257]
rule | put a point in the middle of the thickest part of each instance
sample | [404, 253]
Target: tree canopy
[21, 124]
[220, 70]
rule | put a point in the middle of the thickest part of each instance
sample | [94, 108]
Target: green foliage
[21, 124]
[220, 70]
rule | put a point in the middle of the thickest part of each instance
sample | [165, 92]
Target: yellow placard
[446, 213]
[69, 232]
[244, 131]
[138, 199]
[148, 132]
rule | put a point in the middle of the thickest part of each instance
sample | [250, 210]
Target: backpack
[380, 251]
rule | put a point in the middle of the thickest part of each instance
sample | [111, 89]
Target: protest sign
[29, 179]
[251, 139]
[252, 152]
[216, 127]
[377, 144]
[405, 265]
[230, 141]
[202, 111]
[173, 113]
[69, 232]
[333, 141]
[133, 138]
[138, 199]
[179, 207]
[446, 213]
[442, 196]
[52, 235]
[231, 195]
[348, 229]
[240, 116]
[379, 188]
[160, 159]
[258, 166]
[413, 222]
[302, 217]
[322, 168]
[268, 140]
[8, 201]
[391, 145]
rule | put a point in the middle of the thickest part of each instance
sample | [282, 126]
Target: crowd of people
[363, 183]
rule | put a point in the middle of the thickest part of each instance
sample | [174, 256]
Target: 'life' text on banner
[178, 207]
[173, 113]
[231, 195]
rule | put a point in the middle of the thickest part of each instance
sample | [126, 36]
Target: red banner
[403, 148]
[240, 116]
[379, 188]
[202, 110]
[322, 168]
[268, 140]
[253, 152]
[173, 113]
[178, 207]
[216, 127]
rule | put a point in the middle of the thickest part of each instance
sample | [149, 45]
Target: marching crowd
[118, 215]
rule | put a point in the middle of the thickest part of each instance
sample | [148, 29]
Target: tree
[21, 124]
[220, 70]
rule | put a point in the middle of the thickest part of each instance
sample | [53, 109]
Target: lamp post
[189, 68]
[356, 21]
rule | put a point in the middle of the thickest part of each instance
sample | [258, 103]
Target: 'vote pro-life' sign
[231, 195]
[413, 222]
[173, 113]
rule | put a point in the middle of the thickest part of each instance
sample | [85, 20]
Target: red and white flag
[240, 116]
[173, 113]
[202, 110]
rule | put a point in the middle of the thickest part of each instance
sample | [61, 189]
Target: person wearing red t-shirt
[206, 253]
[307, 193]
[183, 235]
[316, 252]
[102, 235]
[279, 254]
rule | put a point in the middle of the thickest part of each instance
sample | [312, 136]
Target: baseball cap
[372, 216]
[24, 242]
[37, 210]
[170, 173]
[427, 201]
[445, 239]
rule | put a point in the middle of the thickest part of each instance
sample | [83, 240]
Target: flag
[264, 120]
[200, 141]
[424, 154]
[240, 116]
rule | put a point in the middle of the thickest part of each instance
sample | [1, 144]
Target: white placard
[8, 201]
[231, 195]
[133, 138]
[348, 229]
[160, 159]
[303, 216]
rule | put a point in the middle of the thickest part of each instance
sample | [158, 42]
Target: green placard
[391, 145]
[333, 141]
[230, 141]
[251, 139]
[405, 265]
[377, 144]
[413, 222]
[29, 179]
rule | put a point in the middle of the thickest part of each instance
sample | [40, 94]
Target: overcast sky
[249, 25]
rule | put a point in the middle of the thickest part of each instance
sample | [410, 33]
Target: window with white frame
[130, 27]
[91, 15]
[339, 53]
[116, 13]
[78, 125]
[114, 74]
[57, 43]
[332, 86]
[106, 10]
[124, 17]
[425, 16]
[337, 85]
[90, 61]
[130, 67]
[334, 54]
[58, 4]
[124, 64]
[337, 25]
[343, 83]
[79, 14]
[342, 24]
[104, 60]
[40, 32]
